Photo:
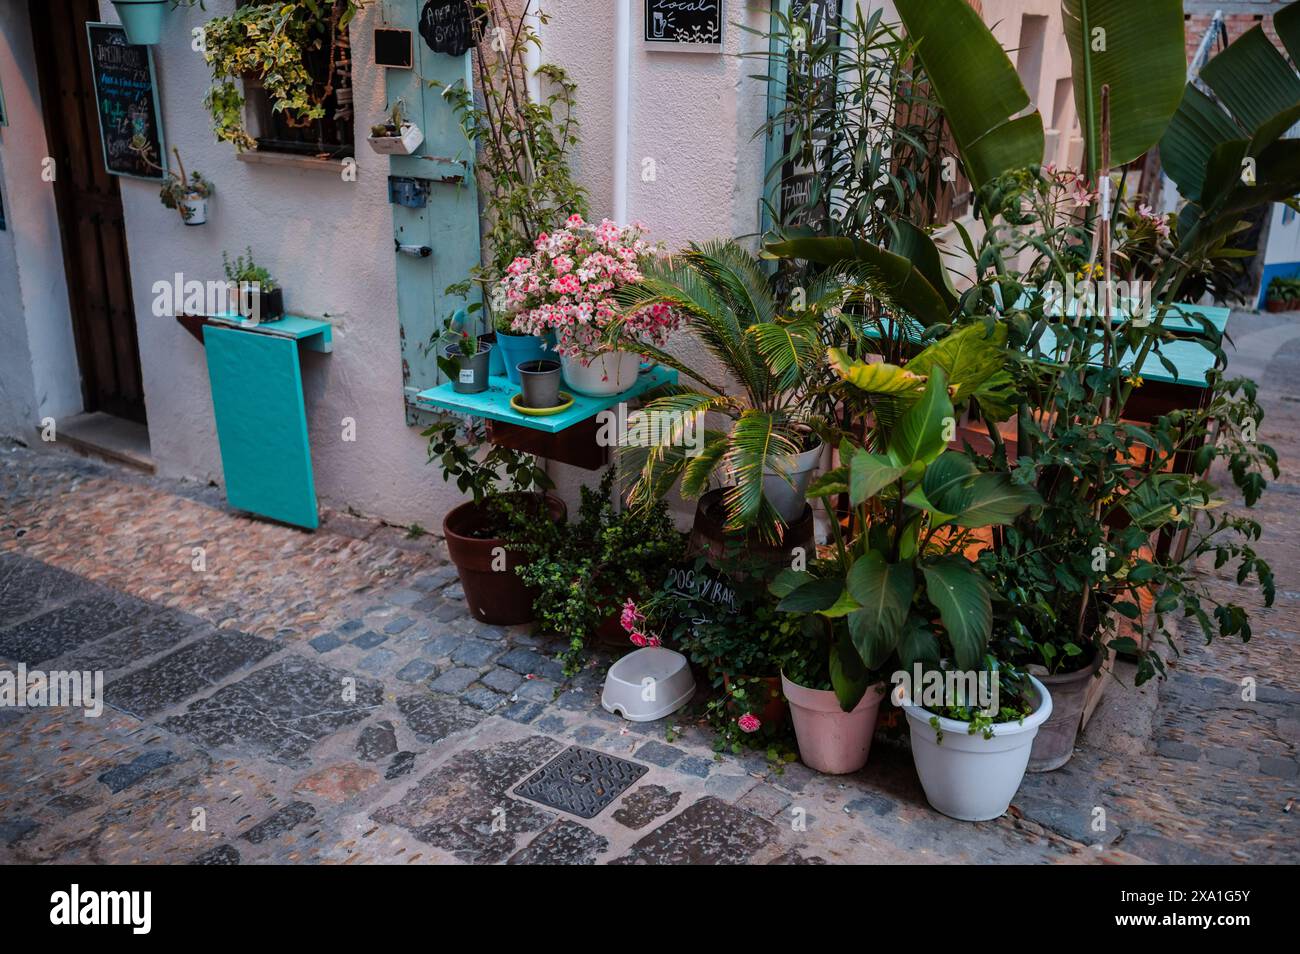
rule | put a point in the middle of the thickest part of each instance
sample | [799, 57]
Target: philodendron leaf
[849, 677]
[877, 378]
[884, 591]
[813, 596]
[918, 645]
[969, 356]
[947, 482]
[920, 435]
[830, 483]
[869, 474]
[961, 594]
[787, 581]
[995, 500]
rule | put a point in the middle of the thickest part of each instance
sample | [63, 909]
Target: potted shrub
[396, 136]
[254, 294]
[464, 358]
[188, 196]
[566, 287]
[1283, 294]
[897, 584]
[508, 504]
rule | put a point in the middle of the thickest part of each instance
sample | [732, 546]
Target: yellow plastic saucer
[566, 402]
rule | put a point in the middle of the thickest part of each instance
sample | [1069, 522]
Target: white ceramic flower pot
[787, 490]
[966, 776]
[610, 373]
[410, 139]
[197, 207]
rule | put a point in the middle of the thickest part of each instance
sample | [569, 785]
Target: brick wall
[1237, 24]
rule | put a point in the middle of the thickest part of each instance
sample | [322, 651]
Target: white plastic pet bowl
[648, 684]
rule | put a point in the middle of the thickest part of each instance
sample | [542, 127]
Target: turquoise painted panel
[494, 403]
[314, 335]
[449, 223]
[262, 424]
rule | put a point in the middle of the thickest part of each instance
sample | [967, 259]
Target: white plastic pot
[198, 209]
[789, 496]
[402, 145]
[610, 373]
[966, 776]
[648, 684]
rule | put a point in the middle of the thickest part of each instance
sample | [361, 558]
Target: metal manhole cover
[580, 781]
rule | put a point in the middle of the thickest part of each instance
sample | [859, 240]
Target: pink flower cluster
[1159, 222]
[567, 286]
[749, 723]
[632, 620]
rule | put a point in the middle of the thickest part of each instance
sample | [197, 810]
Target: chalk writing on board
[448, 26]
[126, 102]
[684, 21]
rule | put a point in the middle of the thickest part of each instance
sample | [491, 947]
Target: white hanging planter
[402, 145]
[195, 209]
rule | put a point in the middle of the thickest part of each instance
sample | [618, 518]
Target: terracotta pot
[831, 740]
[1054, 744]
[494, 595]
[709, 535]
[773, 713]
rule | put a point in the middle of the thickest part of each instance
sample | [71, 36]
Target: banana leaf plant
[899, 586]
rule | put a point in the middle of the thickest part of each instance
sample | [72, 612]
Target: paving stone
[160, 631]
[454, 681]
[1178, 750]
[794, 777]
[220, 855]
[1229, 758]
[479, 630]
[29, 585]
[378, 661]
[537, 690]
[351, 627]
[69, 803]
[765, 800]
[643, 805]
[658, 753]
[873, 802]
[399, 625]
[402, 764]
[481, 697]
[529, 662]
[286, 819]
[695, 765]
[793, 857]
[121, 777]
[587, 734]
[325, 642]
[377, 741]
[416, 670]
[524, 712]
[564, 843]
[338, 783]
[709, 832]
[404, 597]
[1277, 767]
[728, 787]
[14, 830]
[280, 711]
[67, 627]
[445, 612]
[474, 652]
[575, 700]
[369, 639]
[186, 672]
[432, 720]
[502, 680]
[441, 646]
[552, 723]
[455, 806]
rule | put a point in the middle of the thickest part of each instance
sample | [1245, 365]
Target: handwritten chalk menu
[448, 26]
[684, 24]
[130, 125]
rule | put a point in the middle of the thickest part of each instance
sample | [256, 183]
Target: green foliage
[244, 270]
[491, 476]
[176, 188]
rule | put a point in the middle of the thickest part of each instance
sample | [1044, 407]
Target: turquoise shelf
[315, 335]
[494, 403]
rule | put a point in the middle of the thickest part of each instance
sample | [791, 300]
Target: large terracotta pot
[1054, 743]
[494, 593]
[831, 740]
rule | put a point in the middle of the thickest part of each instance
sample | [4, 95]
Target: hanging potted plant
[397, 136]
[254, 294]
[143, 19]
[188, 196]
[488, 536]
[566, 287]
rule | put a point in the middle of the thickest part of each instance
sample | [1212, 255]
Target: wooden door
[90, 212]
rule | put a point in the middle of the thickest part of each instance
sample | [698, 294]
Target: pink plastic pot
[831, 740]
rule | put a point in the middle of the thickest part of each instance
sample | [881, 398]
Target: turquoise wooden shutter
[448, 224]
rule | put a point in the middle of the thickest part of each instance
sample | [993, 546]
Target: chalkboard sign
[684, 24]
[130, 124]
[448, 26]
[393, 48]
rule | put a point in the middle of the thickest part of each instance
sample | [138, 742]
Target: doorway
[89, 205]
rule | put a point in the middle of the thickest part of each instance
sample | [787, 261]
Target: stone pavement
[278, 696]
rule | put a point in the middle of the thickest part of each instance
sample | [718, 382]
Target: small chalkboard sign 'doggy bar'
[126, 101]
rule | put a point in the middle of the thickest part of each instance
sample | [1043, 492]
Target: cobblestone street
[223, 739]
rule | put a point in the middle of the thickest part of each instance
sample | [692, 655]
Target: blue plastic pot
[142, 20]
[517, 349]
[496, 363]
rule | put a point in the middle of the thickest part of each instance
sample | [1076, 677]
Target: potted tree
[254, 294]
[188, 196]
[509, 504]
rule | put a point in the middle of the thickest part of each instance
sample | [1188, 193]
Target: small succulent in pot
[463, 355]
[188, 195]
[254, 293]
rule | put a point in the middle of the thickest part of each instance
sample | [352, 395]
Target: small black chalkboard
[684, 24]
[393, 48]
[126, 100]
[448, 26]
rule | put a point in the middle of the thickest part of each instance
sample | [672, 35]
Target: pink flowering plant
[567, 286]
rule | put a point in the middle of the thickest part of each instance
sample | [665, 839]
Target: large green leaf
[1138, 50]
[812, 596]
[962, 597]
[970, 356]
[995, 501]
[884, 591]
[892, 277]
[869, 474]
[981, 94]
[876, 377]
[919, 435]
[918, 644]
[947, 483]
[849, 677]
